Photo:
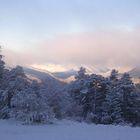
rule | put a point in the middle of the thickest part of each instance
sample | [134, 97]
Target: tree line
[90, 98]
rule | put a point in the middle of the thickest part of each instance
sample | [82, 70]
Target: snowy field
[66, 130]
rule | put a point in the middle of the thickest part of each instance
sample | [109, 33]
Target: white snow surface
[66, 130]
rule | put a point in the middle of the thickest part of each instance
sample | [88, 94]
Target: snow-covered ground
[66, 130]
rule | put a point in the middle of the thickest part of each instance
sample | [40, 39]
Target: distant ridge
[135, 74]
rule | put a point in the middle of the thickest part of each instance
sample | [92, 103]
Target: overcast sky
[81, 32]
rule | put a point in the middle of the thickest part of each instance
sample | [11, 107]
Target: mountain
[61, 78]
[135, 74]
[65, 74]
[44, 76]
[56, 78]
[36, 73]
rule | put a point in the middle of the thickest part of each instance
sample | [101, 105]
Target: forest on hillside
[90, 98]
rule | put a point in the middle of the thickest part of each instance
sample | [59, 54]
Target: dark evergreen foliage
[91, 98]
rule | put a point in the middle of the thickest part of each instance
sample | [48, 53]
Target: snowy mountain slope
[65, 74]
[59, 77]
[52, 83]
[68, 76]
[66, 130]
[135, 74]
[39, 74]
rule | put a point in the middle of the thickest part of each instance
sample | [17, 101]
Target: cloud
[102, 48]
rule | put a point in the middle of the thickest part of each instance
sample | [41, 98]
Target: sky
[68, 33]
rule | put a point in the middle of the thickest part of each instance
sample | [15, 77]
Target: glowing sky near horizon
[69, 26]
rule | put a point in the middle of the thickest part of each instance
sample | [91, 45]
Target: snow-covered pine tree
[114, 75]
[106, 106]
[112, 111]
[57, 98]
[81, 73]
[3, 109]
[88, 92]
[96, 95]
[77, 91]
[136, 106]
[30, 106]
[2, 67]
[130, 98]
[15, 81]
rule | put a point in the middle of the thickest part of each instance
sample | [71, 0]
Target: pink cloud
[114, 48]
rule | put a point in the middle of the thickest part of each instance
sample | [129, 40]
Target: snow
[66, 130]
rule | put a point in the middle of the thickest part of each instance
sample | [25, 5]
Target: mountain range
[68, 76]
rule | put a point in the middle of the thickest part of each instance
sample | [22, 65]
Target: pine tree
[88, 92]
[136, 107]
[30, 106]
[15, 81]
[107, 107]
[96, 95]
[2, 67]
[81, 73]
[129, 98]
[77, 90]
[112, 106]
